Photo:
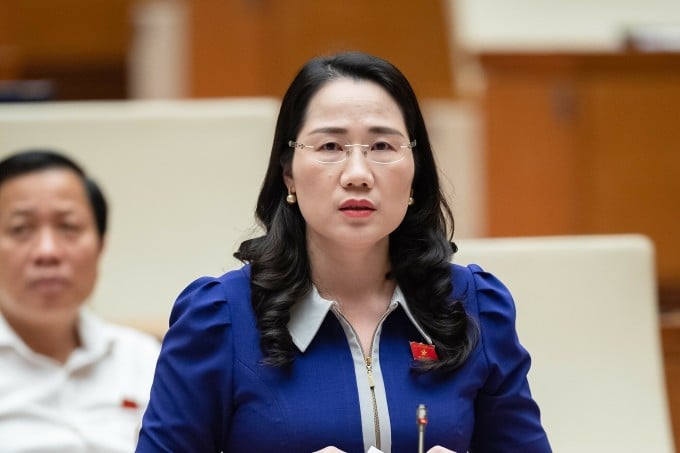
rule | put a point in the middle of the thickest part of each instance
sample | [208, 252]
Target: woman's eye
[382, 146]
[330, 146]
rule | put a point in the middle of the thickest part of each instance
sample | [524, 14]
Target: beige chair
[182, 178]
[587, 313]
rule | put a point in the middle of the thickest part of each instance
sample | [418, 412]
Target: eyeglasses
[380, 152]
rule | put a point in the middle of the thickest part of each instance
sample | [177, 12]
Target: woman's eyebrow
[342, 130]
[329, 130]
[385, 130]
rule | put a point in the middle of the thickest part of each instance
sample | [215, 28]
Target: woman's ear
[288, 178]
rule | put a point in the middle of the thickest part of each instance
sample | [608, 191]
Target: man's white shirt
[92, 403]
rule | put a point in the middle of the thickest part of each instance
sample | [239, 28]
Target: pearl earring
[291, 198]
[411, 201]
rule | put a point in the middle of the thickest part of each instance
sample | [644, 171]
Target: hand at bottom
[439, 449]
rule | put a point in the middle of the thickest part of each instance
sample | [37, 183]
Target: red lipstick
[357, 208]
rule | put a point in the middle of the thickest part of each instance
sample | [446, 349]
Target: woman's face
[49, 247]
[356, 203]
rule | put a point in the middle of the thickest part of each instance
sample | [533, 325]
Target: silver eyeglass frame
[348, 149]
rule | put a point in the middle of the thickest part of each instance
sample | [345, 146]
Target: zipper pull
[371, 383]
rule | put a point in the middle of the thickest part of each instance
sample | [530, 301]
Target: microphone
[421, 421]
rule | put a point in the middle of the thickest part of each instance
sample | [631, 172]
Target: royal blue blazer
[211, 392]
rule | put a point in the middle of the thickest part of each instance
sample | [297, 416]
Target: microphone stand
[421, 420]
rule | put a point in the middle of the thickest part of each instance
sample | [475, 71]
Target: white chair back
[182, 178]
[587, 312]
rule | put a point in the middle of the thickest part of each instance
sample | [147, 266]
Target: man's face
[49, 247]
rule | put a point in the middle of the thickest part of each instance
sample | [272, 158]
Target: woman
[69, 382]
[348, 314]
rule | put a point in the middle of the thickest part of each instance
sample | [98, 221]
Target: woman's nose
[357, 171]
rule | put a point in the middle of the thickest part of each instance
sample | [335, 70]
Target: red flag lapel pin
[423, 351]
[128, 403]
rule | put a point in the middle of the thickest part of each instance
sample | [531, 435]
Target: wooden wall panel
[73, 30]
[237, 47]
[227, 48]
[79, 45]
[583, 144]
[630, 120]
[243, 48]
[530, 161]
[9, 62]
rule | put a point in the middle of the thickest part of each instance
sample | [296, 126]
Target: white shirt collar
[7, 335]
[95, 340]
[308, 314]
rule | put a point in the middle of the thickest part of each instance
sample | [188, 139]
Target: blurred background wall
[548, 117]
[552, 25]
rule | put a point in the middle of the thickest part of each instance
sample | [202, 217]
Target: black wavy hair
[33, 160]
[420, 248]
